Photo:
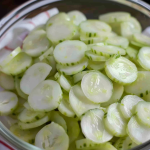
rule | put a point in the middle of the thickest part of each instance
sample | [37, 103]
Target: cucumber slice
[132, 52]
[142, 112]
[96, 65]
[107, 50]
[8, 102]
[46, 96]
[71, 70]
[61, 31]
[91, 28]
[25, 135]
[130, 27]
[33, 76]
[19, 107]
[27, 106]
[79, 102]
[73, 128]
[46, 53]
[88, 144]
[10, 57]
[143, 57]
[93, 128]
[65, 107]
[128, 104]
[36, 43]
[17, 87]
[39, 27]
[28, 116]
[101, 37]
[141, 86]
[121, 70]
[116, 95]
[136, 44]
[60, 17]
[94, 57]
[78, 77]
[52, 136]
[7, 81]
[118, 41]
[97, 87]
[76, 16]
[18, 64]
[57, 118]
[115, 17]
[141, 39]
[114, 121]
[26, 126]
[69, 52]
[139, 133]
[52, 63]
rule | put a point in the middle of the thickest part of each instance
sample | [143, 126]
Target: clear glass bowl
[92, 9]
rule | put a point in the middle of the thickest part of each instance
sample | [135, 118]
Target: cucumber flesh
[138, 132]
[117, 93]
[93, 128]
[128, 104]
[114, 121]
[69, 52]
[33, 76]
[96, 65]
[141, 86]
[8, 102]
[76, 17]
[36, 43]
[52, 136]
[97, 87]
[121, 70]
[7, 81]
[46, 96]
[79, 102]
[27, 106]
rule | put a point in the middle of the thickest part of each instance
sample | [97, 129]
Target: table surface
[8, 5]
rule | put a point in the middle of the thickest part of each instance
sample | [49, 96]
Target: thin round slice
[141, 86]
[18, 64]
[76, 16]
[17, 87]
[144, 57]
[143, 112]
[71, 70]
[46, 96]
[10, 57]
[33, 76]
[114, 121]
[8, 102]
[7, 81]
[118, 41]
[27, 106]
[121, 70]
[61, 31]
[65, 107]
[115, 17]
[25, 135]
[97, 87]
[69, 52]
[91, 28]
[108, 50]
[52, 136]
[96, 65]
[94, 57]
[30, 116]
[128, 104]
[93, 128]
[117, 93]
[36, 43]
[26, 126]
[79, 102]
[137, 132]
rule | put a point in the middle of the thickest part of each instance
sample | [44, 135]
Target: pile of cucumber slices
[80, 84]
